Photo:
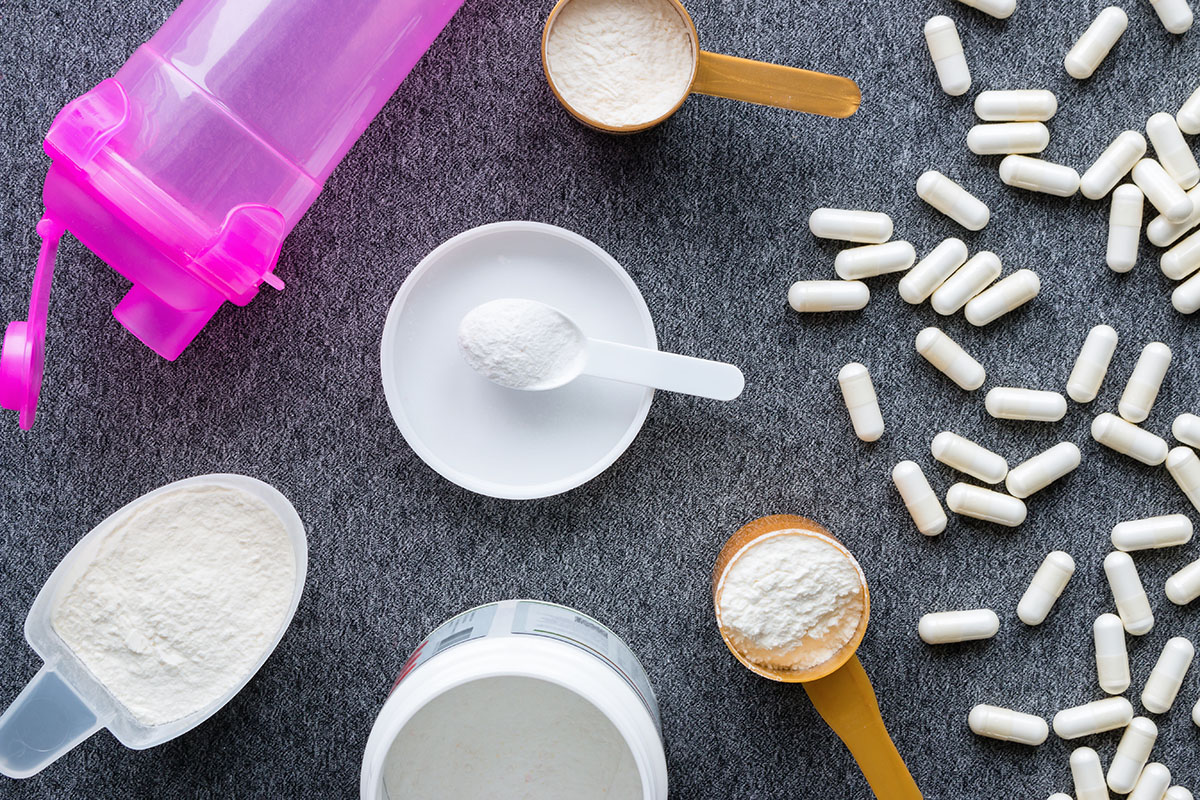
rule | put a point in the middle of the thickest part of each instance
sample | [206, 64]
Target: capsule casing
[1091, 365]
[1128, 439]
[1000, 9]
[1045, 468]
[1091, 47]
[1169, 530]
[819, 296]
[1171, 150]
[1007, 402]
[1184, 586]
[1113, 164]
[944, 627]
[1183, 259]
[1188, 116]
[1162, 687]
[1184, 466]
[1037, 175]
[1095, 717]
[861, 401]
[1007, 725]
[1178, 793]
[1088, 775]
[980, 503]
[1003, 138]
[919, 498]
[1152, 783]
[850, 225]
[1146, 379]
[960, 453]
[1161, 190]
[969, 280]
[932, 271]
[1046, 587]
[1112, 655]
[1132, 753]
[1163, 232]
[1017, 105]
[1011, 293]
[1186, 428]
[953, 200]
[945, 48]
[1186, 297]
[1124, 227]
[1175, 15]
[950, 359]
[874, 259]
[1133, 606]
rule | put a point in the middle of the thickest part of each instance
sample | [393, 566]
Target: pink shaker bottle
[186, 170]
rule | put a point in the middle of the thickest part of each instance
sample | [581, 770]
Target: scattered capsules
[1172, 151]
[945, 48]
[1042, 470]
[960, 453]
[1112, 656]
[1046, 587]
[1186, 297]
[1000, 9]
[1186, 428]
[1175, 15]
[1163, 232]
[1007, 725]
[919, 498]
[1091, 47]
[1037, 175]
[1095, 717]
[848, 225]
[1188, 116]
[1170, 530]
[1016, 105]
[1184, 586]
[1162, 687]
[1133, 607]
[1004, 138]
[951, 360]
[1009, 294]
[932, 271]
[1153, 783]
[859, 394]
[1146, 379]
[874, 259]
[1124, 227]
[1088, 775]
[1132, 754]
[1161, 190]
[969, 280]
[1006, 402]
[817, 296]
[1112, 165]
[1128, 439]
[1183, 259]
[945, 627]
[1091, 365]
[953, 200]
[984, 504]
[1184, 466]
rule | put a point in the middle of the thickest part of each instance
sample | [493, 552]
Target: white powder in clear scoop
[620, 62]
[791, 601]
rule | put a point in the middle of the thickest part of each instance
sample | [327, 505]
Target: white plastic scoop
[524, 344]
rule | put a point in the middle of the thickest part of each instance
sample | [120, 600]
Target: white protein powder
[620, 62]
[510, 738]
[520, 344]
[791, 601]
[181, 599]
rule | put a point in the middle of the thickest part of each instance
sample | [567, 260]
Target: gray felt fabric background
[708, 213]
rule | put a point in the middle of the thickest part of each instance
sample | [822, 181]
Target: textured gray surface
[708, 214]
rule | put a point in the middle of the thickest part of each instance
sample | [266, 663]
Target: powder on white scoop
[620, 62]
[791, 601]
[520, 344]
[181, 599]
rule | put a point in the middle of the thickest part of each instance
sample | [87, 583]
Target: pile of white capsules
[951, 281]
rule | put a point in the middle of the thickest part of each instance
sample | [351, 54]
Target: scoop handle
[776, 85]
[846, 701]
[46, 720]
[668, 371]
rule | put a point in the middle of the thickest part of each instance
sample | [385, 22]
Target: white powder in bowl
[790, 601]
[521, 344]
[620, 62]
[180, 600]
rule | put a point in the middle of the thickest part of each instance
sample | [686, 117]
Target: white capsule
[1091, 365]
[980, 503]
[1042, 470]
[1183, 259]
[1186, 297]
[874, 259]
[945, 48]
[1016, 105]
[951, 360]
[815, 296]
[1046, 587]
[1112, 165]
[1128, 439]
[932, 271]
[1000, 9]
[1153, 783]
[1037, 175]
[1162, 232]
[1059, 796]
[1178, 793]
[850, 225]
[969, 280]
[861, 402]
[1144, 382]
[1002, 138]
[1196, 713]
[1132, 604]
[922, 504]
[1009, 294]
[1124, 227]
[1088, 775]
[1171, 150]
[1184, 466]
[1091, 48]
[1005, 402]
[1162, 687]
[953, 200]
[1175, 15]
[1151, 533]
[1186, 428]
[944, 627]
[1095, 717]
[1188, 116]
[960, 453]
[1184, 586]
[1007, 725]
[1161, 190]
[1112, 656]
[1132, 754]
